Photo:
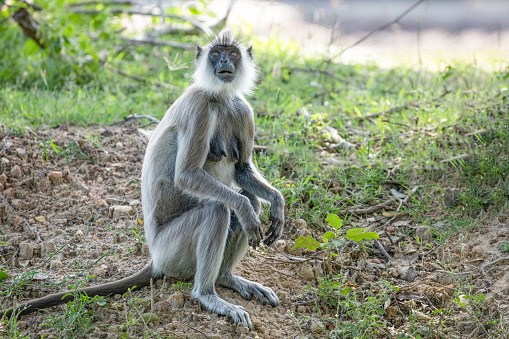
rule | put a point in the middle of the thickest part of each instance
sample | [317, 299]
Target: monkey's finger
[271, 229]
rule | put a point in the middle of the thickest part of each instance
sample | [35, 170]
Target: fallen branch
[212, 24]
[29, 26]
[385, 26]
[140, 79]
[143, 116]
[371, 209]
[458, 161]
[307, 70]
[152, 42]
[382, 249]
[403, 201]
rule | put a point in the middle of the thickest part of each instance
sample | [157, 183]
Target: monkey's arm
[250, 179]
[191, 178]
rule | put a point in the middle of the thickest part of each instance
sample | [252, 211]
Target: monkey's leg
[236, 247]
[194, 243]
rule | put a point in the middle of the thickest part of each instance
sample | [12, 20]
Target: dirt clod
[55, 177]
[16, 171]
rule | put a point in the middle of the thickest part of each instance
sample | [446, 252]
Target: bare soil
[68, 198]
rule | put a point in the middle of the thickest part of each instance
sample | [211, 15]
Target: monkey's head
[225, 66]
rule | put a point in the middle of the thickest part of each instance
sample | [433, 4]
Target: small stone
[40, 218]
[315, 328]
[134, 203]
[222, 325]
[101, 203]
[117, 296]
[55, 177]
[99, 272]
[306, 272]
[47, 248]
[119, 210]
[162, 307]
[257, 325]
[280, 244]
[16, 172]
[55, 264]
[17, 204]
[298, 251]
[1, 187]
[3, 179]
[8, 193]
[301, 309]
[390, 229]
[26, 250]
[5, 161]
[60, 221]
[424, 234]
[242, 329]
[300, 224]
[119, 145]
[145, 250]
[79, 233]
[176, 300]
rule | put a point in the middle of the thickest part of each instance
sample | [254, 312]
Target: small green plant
[181, 286]
[77, 320]
[504, 247]
[333, 239]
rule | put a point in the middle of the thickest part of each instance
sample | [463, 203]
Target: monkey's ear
[198, 51]
[250, 52]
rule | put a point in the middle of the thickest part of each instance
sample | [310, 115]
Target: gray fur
[196, 222]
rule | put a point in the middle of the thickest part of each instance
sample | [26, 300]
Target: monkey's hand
[250, 224]
[277, 217]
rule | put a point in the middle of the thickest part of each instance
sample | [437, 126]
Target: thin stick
[404, 201]
[142, 116]
[306, 70]
[382, 249]
[151, 295]
[140, 79]
[371, 209]
[385, 26]
[197, 330]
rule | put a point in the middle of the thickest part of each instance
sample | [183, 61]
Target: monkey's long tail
[139, 279]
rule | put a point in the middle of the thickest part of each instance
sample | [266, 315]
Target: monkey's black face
[224, 60]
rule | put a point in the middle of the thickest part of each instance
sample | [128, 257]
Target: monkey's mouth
[225, 75]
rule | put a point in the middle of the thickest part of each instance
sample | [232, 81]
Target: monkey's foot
[215, 304]
[248, 288]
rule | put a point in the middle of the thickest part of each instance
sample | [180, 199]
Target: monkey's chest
[222, 157]
[223, 171]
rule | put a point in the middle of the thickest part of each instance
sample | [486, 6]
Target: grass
[403, 121]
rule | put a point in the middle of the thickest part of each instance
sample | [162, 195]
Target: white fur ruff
[245, 76]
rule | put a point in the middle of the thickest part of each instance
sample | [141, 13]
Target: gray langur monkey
[197, 224]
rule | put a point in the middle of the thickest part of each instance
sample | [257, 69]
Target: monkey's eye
[233, 54]
[215, 54]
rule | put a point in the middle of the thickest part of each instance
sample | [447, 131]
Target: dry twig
[385, 26]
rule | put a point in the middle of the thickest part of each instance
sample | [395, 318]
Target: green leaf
[3, 275]
[357, 234]
[327, 236]
[505, 247]
[308, 242]
[195, 10]
[30, 48]
[334, 221]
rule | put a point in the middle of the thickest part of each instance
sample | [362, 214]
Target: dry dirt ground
[67, 197]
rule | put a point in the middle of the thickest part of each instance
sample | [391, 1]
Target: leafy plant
[333, 239]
